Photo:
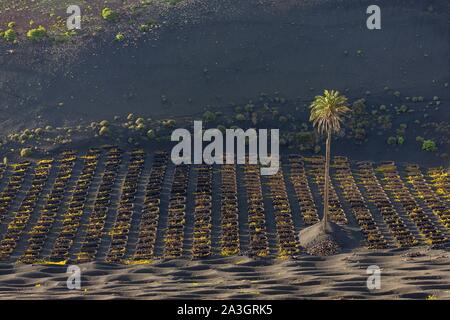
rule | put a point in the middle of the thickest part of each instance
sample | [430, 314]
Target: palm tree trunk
[327, 181]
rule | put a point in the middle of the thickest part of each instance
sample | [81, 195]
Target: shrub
[120, 37]
[144, 28]
[38, 33]
[359, 134]
[104, 131]
[139, 121]
[249, 107]
[26, 152]
[170, 123]
[10, 35]
[359, 106]
[240, 117]
[398, 140]
[403, 109]
[109, 14]
[151, 134]
[209, 116]
[147, 26]
[385, 121]
[304, 138]
[283, 119]
[392, 141]
[429, 145]
[140, 126]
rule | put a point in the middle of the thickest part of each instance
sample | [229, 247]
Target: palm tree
[326, 115]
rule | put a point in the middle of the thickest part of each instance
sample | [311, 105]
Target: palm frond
[327, 111]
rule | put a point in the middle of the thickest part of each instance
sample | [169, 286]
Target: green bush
[140, 126]
[429, 145]
[392, 141]
[209, 116]
[26, 152]
[147, 26]
[305, 138]
[359, 106]
[144, 28]
[359, 134]
[398, 140]
[403, 109]
[249, 107]
[385, 121]
[10, 35]
[104, 131]
[109, 14]
[151, 134]
[120, 37]
[240, 117]
[139, 121]
[38, 33]
[283, 119]
[170, 123]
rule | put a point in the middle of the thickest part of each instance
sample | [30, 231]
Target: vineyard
[133, 207]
